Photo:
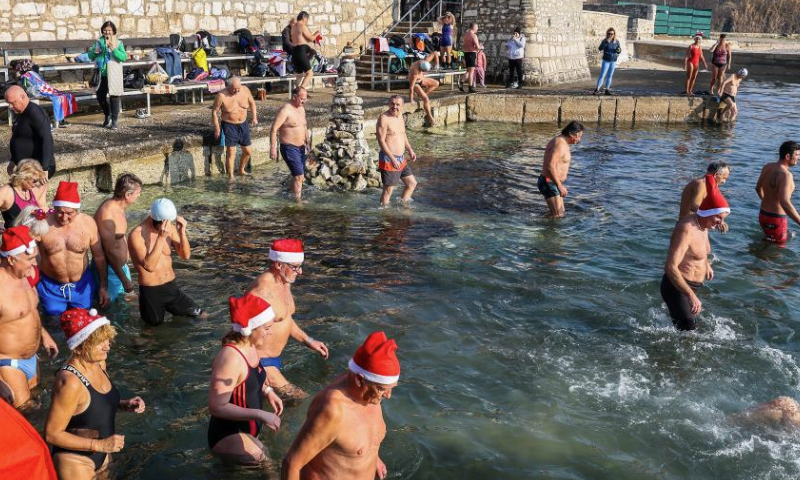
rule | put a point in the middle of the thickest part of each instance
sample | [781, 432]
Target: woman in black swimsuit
[239, 386]
[81, 421]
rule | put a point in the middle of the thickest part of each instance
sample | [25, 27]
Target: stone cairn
[343, 158]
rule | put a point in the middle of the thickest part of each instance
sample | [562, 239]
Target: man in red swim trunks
[775, 187]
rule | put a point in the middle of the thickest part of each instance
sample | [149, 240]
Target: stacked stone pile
[343, 158]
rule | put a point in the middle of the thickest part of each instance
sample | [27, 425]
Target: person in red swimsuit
[775, 187]
[692, 63]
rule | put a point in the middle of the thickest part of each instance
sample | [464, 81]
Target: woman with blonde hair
[239, 386]
[448, 21]
[26, 187]
[81, 421]
[611, 49]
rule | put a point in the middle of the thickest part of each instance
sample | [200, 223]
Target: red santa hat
[17, 240]
[287, 250]
[714, 203]
[78, 324]
[376, 360]
[249, 312]
[67, 195]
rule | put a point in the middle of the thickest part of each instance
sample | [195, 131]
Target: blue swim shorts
[26, 365]
[236, 134]
[272, 362]
[115, 288]
[295, 158]
[56, 298]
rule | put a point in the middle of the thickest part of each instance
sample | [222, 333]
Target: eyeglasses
[295, 268]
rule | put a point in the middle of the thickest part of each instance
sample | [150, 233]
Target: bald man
[233, 103]
[30, 135]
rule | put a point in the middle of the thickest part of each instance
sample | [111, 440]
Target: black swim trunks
[300, 60]
[679, 304]
[547, 187]
[725, 95]
[471, 59]
[154, 302]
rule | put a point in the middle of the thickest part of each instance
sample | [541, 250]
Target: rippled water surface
[530, 348]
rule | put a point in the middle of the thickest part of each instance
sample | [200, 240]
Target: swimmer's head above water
[573, 132]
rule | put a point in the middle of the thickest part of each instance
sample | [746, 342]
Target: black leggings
[113, 109]
[515, 66]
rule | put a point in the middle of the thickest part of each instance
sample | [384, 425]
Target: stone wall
[555, 51]
[595, 25]
[641, 18]
[338, 20]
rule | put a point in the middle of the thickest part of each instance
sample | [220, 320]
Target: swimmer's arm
[678, 246]
[273, 132]
[98, 255]
[66, 397]
[380, 132]
[140, 255]
[306, 33]
[215, 109]
[412, 82]
[760, 184]
[786, 189]
[180, 241]
[252, 103]
[109, 239]
[298, 334]
[317, 433]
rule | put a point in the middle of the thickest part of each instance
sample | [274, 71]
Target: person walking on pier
[687, 265]
[31, 136]
[233, 103]
[691, 63]
[611, 49]
[108, 54]
[775, 187]
[555, 166]
[289, 133]
[471, 46]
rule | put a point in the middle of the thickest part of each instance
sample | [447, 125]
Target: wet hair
[296, 91]
[38, 228]
[572, 128]
[302, 15]
[788, 148]
[108, 23]
[28, 170]
[715, 167]
[106, 332]
[126, 183]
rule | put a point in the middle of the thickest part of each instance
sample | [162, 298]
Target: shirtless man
[291, 129]
[782, 411]
[687, 265]
[727, 101]
[392, 163]
[150, 245]
[344, 426]
[301, 37]
[555, 166]
[275, 286]
[775, 187]
[21, 331]
[66, 280]
[113, 226]
[422, 86]
[695, 191]
[234, 102]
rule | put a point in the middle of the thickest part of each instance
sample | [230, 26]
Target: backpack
[133, 78]
[258, 70]
[398, 66]
[261, 42]
[205, 39]
[397, 42]
[200, 59]
[246, 43]
[177, 42]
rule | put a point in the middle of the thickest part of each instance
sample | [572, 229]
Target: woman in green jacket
[109, 53]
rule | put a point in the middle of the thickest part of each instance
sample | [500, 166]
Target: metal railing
[438, 9]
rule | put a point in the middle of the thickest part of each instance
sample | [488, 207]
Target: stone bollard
[343, 158]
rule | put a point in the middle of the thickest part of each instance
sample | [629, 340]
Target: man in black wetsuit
[30, 135]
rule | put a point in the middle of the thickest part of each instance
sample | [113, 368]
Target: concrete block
[185, 165]
[608, 110]
[685, 109]
[542, 109]
[80, 159]
[626, 108]
[652, 110]
[582, 109]
[152, 169]
[495, 108]
[85, 177]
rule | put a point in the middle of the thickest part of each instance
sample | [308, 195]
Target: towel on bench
[64, 103]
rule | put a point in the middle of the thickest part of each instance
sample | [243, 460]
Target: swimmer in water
[393, 142]
[775, 187]
[783, 411]
[695, 192]
[555, 166]
[687, 265]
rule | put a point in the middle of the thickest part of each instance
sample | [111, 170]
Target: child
[727, 102]
[480, 70]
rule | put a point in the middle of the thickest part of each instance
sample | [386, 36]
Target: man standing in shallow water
[775, 187]
[393, 142]
[555, 166]
[290, 130]
[687, 265]
[233, 102]
[344, 425]
[275, 286]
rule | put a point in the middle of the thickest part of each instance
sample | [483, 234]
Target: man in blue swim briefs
[66, 280]
[392, 163]
[275, 286]
[233, 103]
[555, 166]
[113, 226]
[21, 330]
[290, 133]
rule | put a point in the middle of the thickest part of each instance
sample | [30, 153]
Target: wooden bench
[384, 76]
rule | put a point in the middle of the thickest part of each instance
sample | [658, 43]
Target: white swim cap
[742, 72]
[163, 209]
[425, 66]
